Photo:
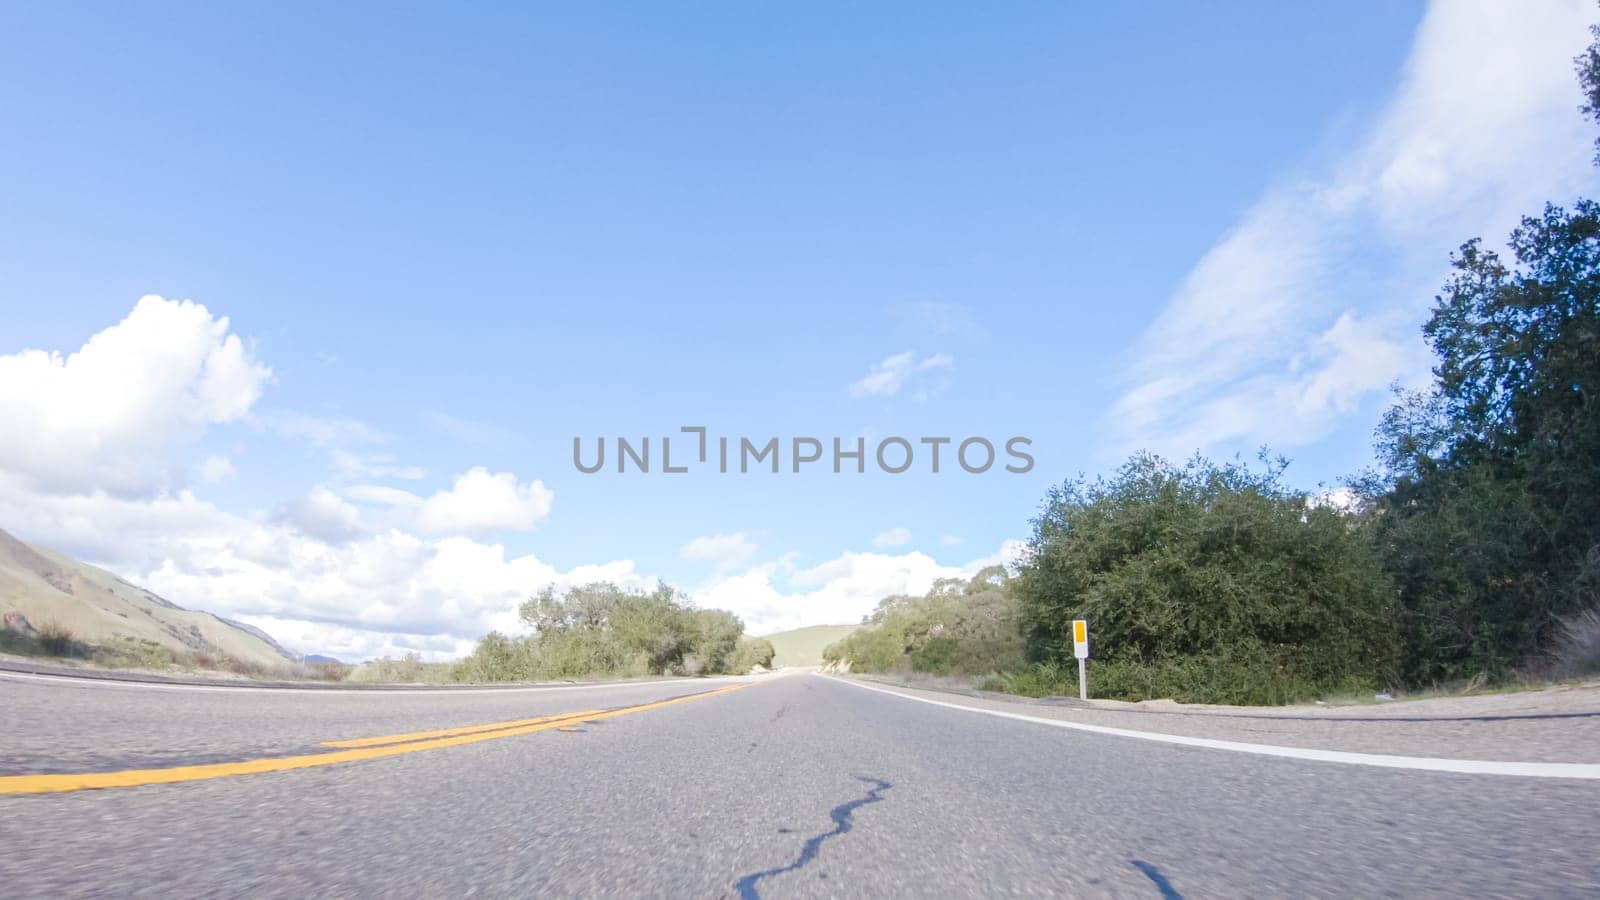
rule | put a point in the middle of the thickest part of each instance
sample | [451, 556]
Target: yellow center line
[465, 729]
[80, 781]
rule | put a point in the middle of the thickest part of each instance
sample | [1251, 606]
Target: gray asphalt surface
[798, 786]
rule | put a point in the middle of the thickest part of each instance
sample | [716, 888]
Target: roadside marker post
[1080, 649]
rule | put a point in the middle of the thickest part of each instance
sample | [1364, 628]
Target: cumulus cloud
[725, 550]
[1309, 307]
[355, 592]
[778, 596]
[481, 502]
[323, 514]
[319, 582]
[103, 416]
[888, 377]
[894, 537]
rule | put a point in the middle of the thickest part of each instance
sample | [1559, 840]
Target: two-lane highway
[796, 785]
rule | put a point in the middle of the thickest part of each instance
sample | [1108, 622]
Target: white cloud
[888, 377]
[354, 645]
[1340, 499]
[354, 595]
[383, 495]
[323, 514]
[329, 586]
[1309, 307]
[950, 540]
[777, 597]
[725, 550]
[216, 468]
[325, 432]
[349, 443]
[373, 465]
[894, 537]
[480, 502]
[1011, 554]
[106, 415]
[836, 592]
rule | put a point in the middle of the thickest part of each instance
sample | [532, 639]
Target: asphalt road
[791, 786]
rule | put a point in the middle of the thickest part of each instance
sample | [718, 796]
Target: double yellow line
[349, 751]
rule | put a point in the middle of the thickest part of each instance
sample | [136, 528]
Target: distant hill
[803, 646]
[40, 586]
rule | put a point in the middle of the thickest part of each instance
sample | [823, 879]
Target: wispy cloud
[1309, 307]
[373, 465]
[888, 377]
[323, 432]
[894, 537]
[467, 431]
[941, 319]
[725, 550]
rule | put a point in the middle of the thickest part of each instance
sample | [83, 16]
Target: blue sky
[447, 241]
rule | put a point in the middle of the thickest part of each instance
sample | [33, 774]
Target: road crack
[842, 816]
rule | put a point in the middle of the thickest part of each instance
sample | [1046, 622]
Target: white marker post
[1080, 649]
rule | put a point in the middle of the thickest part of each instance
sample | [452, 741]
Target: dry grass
[1577, 650]
[52, 639]
[56, 639]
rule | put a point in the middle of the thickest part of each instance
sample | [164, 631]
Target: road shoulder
[1564, 732]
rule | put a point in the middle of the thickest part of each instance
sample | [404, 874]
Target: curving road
[792, 786]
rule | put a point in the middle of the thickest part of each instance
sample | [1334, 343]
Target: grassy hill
[803, 646]
[42, 591]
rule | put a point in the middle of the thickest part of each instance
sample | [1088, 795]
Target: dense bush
[1207, 583]
[58, 640]
[752, 652]
[960, 627]
[601, 629]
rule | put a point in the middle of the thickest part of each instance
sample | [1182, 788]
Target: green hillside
[803, 646]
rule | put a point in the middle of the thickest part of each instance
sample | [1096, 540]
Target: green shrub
[603, 630]
[1208, 583]
[752, 652]
[1189, 680]
[960, 627]
[135, 653]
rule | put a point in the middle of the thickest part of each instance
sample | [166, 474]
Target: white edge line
[1586, 771]
[336, 691]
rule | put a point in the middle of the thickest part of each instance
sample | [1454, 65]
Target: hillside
[803, 646]
[44, 587]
